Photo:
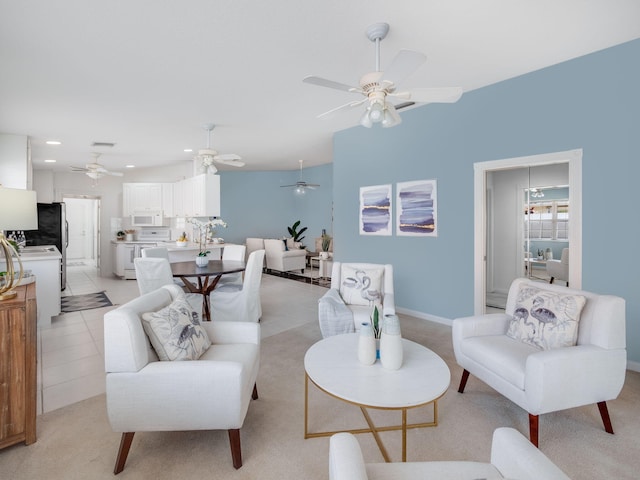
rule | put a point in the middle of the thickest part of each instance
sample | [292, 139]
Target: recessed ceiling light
[49, 160]
[54, 142]
[129, 166]
[188, 150]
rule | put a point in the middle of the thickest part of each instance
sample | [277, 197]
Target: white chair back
[234, 252]
[155, 252]
[240, 302]
[152, 273]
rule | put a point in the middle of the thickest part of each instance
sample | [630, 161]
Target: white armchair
[512, 456]
[547, 380]
[145, 394]
[355, 289]
[281, 259]
[559, 269]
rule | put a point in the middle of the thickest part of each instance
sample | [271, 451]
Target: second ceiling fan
[301, 186]
[378, 91]
[207, 156]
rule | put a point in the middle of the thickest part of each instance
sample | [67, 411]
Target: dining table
[207, 278]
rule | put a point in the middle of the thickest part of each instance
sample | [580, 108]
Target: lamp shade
[18, 209]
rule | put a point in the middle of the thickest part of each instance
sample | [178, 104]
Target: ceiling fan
[301, 186]
[378, 91]
[95, 170]
[207, 156]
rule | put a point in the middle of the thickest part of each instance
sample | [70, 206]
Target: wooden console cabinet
[18, 347]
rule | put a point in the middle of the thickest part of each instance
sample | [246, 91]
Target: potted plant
[120, 235]
[297, 234]
[326, 244]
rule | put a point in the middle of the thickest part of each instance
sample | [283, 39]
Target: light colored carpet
[76, 442]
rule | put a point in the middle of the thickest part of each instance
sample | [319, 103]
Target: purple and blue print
[375, 210]
[416, 208]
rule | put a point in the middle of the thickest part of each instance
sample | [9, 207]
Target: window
[547, 220]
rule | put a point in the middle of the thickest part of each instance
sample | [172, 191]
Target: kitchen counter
[44, 263]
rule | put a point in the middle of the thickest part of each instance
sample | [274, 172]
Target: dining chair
[240, 302]
[236, 253]
[153, 273]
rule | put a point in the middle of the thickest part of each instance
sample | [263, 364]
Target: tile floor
[71, 351]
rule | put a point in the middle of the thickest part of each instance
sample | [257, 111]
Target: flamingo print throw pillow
[175, 332]
[361, 286]
[546, 319]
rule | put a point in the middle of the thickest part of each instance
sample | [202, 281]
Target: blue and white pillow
[361, 286]
[175, 332]
[546, 319]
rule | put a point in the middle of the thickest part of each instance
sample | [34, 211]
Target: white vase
[366, 345]
[391, 343]
[202, 261]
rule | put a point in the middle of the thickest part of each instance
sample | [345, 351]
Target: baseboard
[424, 316]
[633, 366]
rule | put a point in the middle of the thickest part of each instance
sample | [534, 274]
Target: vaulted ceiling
[147, 74]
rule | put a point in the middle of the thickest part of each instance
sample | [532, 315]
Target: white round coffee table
[332, 365]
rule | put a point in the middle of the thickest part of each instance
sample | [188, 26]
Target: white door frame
[96, 200]
[574, 158]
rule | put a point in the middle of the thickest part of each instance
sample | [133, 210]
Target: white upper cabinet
[197, 196]
[206, 196]
[147, 197]
[141, 197]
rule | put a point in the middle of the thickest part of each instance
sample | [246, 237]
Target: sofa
[512, 456]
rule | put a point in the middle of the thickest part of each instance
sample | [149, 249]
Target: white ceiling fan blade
[404, 64]
[346, 106]
[78, 169]
[114, 174]
[323, 82]
[230, 161]
[435, 95]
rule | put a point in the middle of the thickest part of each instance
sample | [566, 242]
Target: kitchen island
[43, 262]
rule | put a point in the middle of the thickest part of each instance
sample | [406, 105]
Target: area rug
[304, 278]
[76, 303]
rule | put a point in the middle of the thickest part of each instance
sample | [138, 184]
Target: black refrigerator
[53, 229]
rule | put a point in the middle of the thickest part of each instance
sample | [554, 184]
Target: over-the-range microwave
[150, 218]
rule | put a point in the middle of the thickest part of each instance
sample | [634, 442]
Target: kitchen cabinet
[141, 197]
[43, 262]
[197, 196]
[18, 377]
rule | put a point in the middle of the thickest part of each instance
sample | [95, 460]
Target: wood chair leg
[533, 429]
[236, 451]
[254, 395]
[123, 451]
[463, 381]
[604, 413]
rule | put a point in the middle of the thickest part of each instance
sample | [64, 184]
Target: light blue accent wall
[254, 204]
[592, 103]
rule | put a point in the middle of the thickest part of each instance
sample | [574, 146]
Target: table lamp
[18, 211]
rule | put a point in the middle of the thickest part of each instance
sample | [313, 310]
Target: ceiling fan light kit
[207, 156]
[378, 91]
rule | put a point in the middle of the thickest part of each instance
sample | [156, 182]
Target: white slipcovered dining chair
[554, 348]
[240, 302]
[355, 289]
[155, 272]
[160, 252]
[236, 253]
[145, 394]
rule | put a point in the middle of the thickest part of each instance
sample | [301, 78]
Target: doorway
[490, 246]
[83, 215]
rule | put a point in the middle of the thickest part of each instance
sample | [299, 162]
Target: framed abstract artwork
[375, 210]
[417, 213]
